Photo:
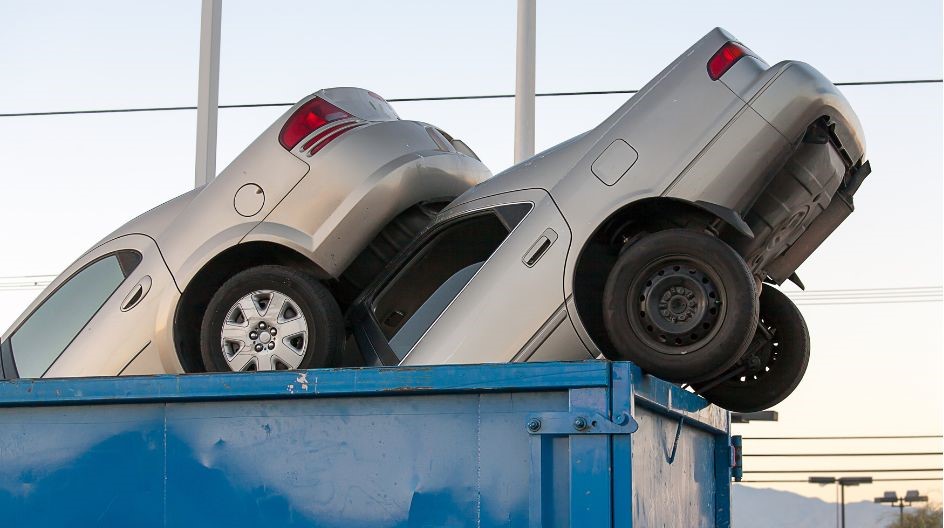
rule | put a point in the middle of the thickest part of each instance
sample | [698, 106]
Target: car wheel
[776, 364]
[680, 304]
[270, 318]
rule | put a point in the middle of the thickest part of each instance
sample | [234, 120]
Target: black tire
[781, 361]
[322, 319]
[384, 247]
[680, 304]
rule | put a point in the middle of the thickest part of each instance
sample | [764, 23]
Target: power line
[808, 482]
[914, 294]
[864, 290]
[418, 99]
[822, 471]
[872, 437]
[927, 453]
[897, 301]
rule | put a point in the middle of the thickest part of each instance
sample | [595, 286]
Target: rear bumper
[792, 95]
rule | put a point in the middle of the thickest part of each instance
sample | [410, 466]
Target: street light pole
[899, 502]
[842, 492]
[524, 80]
[208, 91]
[842, 482]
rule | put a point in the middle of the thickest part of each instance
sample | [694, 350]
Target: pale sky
[876, 369]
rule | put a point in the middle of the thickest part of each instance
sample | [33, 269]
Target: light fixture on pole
[842, 482]
[759, 416]
[895, 501]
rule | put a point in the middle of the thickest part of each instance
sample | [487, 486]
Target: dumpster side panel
[368, 462]
[672, 489]
[82, 466]
[542, 445]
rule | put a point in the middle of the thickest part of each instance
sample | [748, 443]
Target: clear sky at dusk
[876, 369]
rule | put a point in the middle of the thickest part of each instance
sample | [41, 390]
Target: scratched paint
[379, 455]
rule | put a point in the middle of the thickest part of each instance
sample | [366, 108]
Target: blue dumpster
[546, 444]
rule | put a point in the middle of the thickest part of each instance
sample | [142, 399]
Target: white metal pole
[208, 91]
[524, 81]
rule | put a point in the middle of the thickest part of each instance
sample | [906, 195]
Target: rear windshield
[360, 103]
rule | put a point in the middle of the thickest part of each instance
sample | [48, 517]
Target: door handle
[537, 250]
[136, 294]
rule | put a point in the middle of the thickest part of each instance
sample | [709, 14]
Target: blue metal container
[547, 444]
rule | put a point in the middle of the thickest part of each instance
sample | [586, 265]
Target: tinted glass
[414, 328]
[50, 329]
[433, 277]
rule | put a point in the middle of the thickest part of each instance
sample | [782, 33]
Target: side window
[50, 328]
[413, 300]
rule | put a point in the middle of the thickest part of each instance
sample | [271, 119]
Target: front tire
[270, 318]
[779, 364]
[680, 304]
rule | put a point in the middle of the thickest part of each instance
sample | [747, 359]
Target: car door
[98, 317]
[483, 285]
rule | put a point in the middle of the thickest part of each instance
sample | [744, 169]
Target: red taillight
[329, 135]
[310, 117]
[724, 58]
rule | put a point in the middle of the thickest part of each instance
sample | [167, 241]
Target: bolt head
[273, 331]
[621, 419]
[253, 335]
[271, 345]
[534, 425]
[580, 423]
[258, 347]
[262, 325]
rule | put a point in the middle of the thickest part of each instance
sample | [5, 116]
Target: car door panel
[507, 301]
[115, 336]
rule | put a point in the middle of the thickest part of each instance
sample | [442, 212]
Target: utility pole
[208, 89]
[524, 80]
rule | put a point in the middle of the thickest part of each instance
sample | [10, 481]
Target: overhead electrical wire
[824, 471]
[912, 294]
[417, 99]
[798, 481]
[923, 453]
[867, 437]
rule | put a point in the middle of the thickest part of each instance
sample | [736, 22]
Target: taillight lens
[724, 58]
[310, 117]
[328, 136]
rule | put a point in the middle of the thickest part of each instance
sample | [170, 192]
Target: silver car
[660, 237]
[252, 271]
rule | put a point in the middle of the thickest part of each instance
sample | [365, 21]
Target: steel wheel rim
[767, 358]
[264, 330]
[676, 305]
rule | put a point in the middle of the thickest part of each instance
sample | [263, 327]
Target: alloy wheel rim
[264, 330]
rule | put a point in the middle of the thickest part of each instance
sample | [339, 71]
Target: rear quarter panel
[357, 185]
[669, 123]
[210, 222]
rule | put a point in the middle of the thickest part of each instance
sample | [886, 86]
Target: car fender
[332, 230]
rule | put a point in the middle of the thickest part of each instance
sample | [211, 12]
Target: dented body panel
[482, 445]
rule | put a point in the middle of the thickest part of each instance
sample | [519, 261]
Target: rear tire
[680, 304]
[780, 364]
[270, 318]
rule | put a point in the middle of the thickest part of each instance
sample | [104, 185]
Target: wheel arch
[598, 255]
[196, 295]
